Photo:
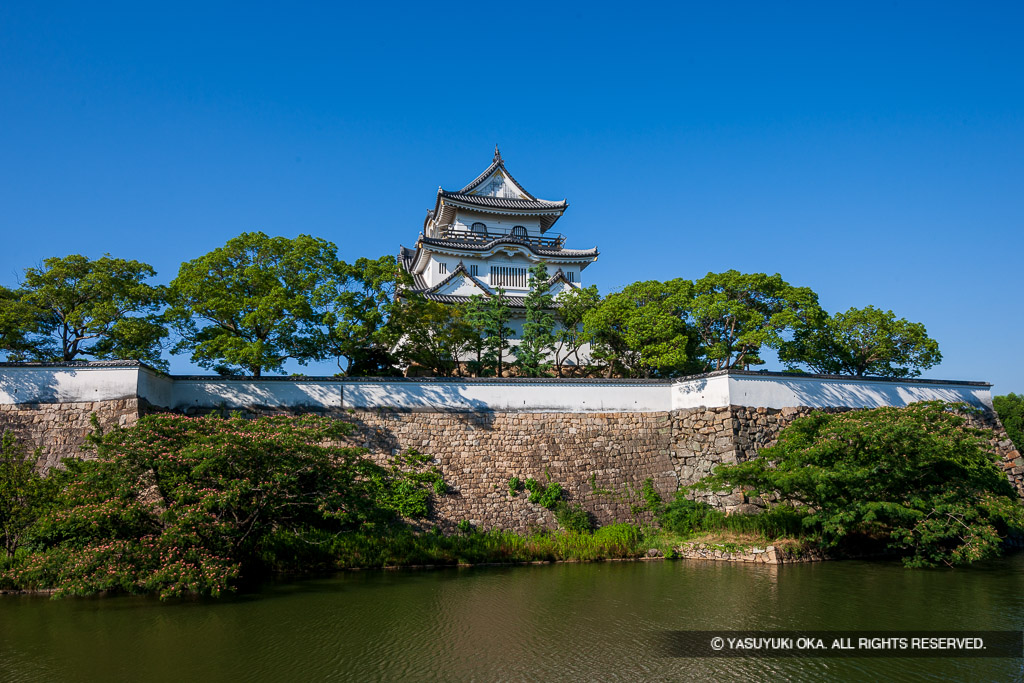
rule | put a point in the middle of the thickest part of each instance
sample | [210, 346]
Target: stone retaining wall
[59, 429]
[601, 459]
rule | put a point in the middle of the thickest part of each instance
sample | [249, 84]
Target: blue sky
[873, 152]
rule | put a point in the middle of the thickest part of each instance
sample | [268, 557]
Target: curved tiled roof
[505, 202]
[485, 246]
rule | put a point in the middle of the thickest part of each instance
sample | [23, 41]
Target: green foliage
[73, 307]
[687, 517]
[641, 331]
[572, 517]
[537, 344]
[1010, 409]
[23, 493]
[545, 496]
[919, 477]
[436, 335]
[465, 526]
[360, 315]
[513, 486]
[492, 317]
[178, 505]
[863, 341]
[736, 314]
[651, 497]
[249, 304]
[572, 307]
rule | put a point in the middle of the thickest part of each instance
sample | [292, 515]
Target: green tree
[918, 476]
[248, 304]
[534, 351]
[73, 307]
[437, 335]
[736, 314]
[1010, 409]
[641, 331]
[475, 316]
[863, 341]
[572, 306]
[494, 316]
[23, 493]
[358, 311]
[18, 322]
[180, 505]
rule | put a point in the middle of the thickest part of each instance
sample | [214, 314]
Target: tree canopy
[573, 306]
[249, 304]
[641, 331]
[358, 312]
[863, 341]
[735, 314]
[74, 306]
[534, 350]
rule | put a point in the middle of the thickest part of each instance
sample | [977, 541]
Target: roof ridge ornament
[497, 153]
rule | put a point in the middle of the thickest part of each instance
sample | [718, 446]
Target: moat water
[551, 622]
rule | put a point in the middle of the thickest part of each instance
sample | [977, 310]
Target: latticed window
[442, 268]
[474, 269]
[571, 276]
[519, 231]
[508, 276]
[478, 229]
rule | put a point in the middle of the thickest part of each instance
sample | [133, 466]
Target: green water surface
[545, 623]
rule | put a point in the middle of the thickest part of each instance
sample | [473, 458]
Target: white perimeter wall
[40, 384]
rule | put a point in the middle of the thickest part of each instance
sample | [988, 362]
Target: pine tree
[534, 352]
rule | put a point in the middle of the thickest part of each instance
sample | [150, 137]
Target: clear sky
[873, 152]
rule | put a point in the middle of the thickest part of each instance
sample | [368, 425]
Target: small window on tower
[571, 276]
[519, 231]
[479, 229]
[474, 269]
[442, 268]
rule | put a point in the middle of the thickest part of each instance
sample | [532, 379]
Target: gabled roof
[479, 196]
[496, 163]
[460, 270]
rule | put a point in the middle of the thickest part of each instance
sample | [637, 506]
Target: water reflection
[569, 622]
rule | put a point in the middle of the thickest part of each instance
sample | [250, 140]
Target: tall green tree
[359, 315]
[495, 317]
[641, 331]
[736, 314]
[74, 306]
[534, 351]
[572, 306]
[436, 336]
[475, 316]
[863, 341]
[18, 322]
[919, 477]
[248, 305]
[1010, 409]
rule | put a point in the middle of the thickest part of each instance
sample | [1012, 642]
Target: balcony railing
[463, 234]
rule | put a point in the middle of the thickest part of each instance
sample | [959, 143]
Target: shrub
[545, 496]
[1010, 409]
[572, 517]
[178, 505]
[918, 477]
